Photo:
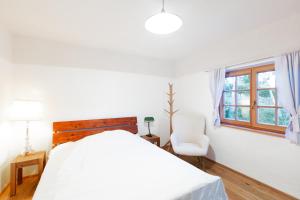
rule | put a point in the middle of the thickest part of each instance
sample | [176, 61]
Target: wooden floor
[24, 191]
[238, 187]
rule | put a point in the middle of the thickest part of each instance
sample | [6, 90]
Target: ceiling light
[163, 22]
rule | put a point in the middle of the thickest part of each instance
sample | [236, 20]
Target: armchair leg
[201, 161]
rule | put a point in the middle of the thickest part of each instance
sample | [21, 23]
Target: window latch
[254, 104]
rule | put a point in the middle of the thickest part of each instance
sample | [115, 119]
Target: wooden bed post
[171, 111]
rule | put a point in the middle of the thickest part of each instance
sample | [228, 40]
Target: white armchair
[188, 137]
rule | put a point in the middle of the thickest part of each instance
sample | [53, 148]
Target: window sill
[254, 130]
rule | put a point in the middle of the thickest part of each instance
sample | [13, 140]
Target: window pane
[266, 97]
[283, 117]
[266, 116]
[243, 98]
[243, 82]
[266, 79]
[229, 98]
[229, 83]
[243, 114]
[229, 112]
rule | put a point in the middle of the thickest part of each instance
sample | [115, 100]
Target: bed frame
[67, 131]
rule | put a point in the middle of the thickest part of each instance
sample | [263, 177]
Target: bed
[105, 159]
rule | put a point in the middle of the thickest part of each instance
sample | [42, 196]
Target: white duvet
[117, 165]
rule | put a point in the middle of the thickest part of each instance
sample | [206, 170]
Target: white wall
[5, 133]
[47, 71]
[75, 83]
[270, 40]
[269, 159]
[5, 89]
[74, 94]
[5, 44]
[28, 50]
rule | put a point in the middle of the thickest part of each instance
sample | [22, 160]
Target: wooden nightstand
[16, 168]
[154, 139]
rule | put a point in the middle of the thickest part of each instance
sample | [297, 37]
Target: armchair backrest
[189, 128]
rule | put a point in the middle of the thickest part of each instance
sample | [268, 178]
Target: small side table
[154, 139]
[16, 168]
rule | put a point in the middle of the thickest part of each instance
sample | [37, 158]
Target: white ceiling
[119, 24]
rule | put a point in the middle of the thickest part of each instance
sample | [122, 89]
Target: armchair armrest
[174, 139]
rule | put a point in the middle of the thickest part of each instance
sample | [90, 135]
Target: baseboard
[254, 180]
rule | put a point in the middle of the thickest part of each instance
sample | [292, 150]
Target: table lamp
[27, 111]
[148, 120]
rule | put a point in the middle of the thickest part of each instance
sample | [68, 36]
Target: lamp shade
[25, 110]
[149, 119]
[163, 23]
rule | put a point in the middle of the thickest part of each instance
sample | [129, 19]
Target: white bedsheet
[118, 165]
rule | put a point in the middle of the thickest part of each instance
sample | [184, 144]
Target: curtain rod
[253, 62]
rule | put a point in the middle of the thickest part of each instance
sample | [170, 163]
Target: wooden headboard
[67, 131]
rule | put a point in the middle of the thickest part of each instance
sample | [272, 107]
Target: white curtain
[217, 81]
[287, 69]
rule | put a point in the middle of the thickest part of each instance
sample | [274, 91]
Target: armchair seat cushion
[189, 149]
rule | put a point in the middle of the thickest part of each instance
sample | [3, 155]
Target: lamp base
[149, 135]
[28, 151]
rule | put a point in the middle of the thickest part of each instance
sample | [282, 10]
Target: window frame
[252, 124]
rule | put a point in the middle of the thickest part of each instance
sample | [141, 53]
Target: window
[250, 100]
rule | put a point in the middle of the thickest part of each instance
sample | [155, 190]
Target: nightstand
[154, 139]
[16, 168]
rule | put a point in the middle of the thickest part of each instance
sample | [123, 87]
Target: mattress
[119, 165]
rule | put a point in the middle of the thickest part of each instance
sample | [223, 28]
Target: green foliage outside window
[237, 93]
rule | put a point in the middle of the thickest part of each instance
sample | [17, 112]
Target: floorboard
[238, 186]
[25, 191]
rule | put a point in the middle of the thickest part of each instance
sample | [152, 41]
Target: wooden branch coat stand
[171, 111]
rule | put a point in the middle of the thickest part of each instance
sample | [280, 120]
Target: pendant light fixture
[163, 23]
